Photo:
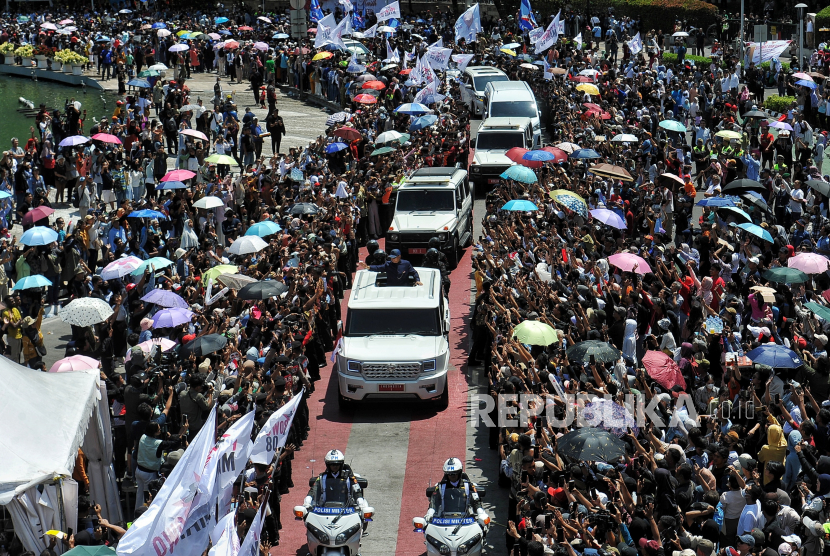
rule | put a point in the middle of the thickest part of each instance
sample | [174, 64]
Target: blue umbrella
[220, 20]
[739, 212]
[756, 230]
[520, 205]
[34, 281]
[5, 195]
[159, 25]
[280, 36]
[775, 356]
[432, 98]
[165, 299]
[808, 84]
[520, 173]
[225, 32]
[156, 262]
[170, 318]
[172, 185]
[103, 38]
[715, 202]
[538, 156]
[264, 228]
[673, 125]
[39, 235]
[138, 82]
[74, 140]
[585, 154]
[423, 122]
[147, 213]
[336, 147]
[412, 108]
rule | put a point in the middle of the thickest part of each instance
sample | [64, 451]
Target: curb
[309, 98]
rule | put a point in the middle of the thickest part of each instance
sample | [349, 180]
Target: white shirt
[794, 205]
[751, 517]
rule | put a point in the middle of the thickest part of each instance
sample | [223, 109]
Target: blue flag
[526, 19]
[358, 21]
[315, 14]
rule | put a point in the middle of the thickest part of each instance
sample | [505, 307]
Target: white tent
[46, 417]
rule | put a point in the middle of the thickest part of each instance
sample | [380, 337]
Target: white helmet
[334, 458]
[453, 465]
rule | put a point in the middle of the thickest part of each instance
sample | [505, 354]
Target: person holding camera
[149, 455]
[193, 403]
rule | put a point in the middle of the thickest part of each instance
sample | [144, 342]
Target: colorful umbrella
[347, 133]
[810, 263]
[178, 175]
[559, 154]
[588, 88]
[663, 370]
[335, 147]
[609, 218]
[86, 311]
[585, 154]
[569, 148]
[212, 273]
[611, 171]
[154, 263]
[107, 138]
[120, 267]
[165, 298]
[412, 109]
[423, 122]
[37, 214]
[74, 363]
[74, 140]
[715, 202]
[629, 262]
[820, 310]
[516, 154]
[365, 99]
[163, 343]
[673, 125]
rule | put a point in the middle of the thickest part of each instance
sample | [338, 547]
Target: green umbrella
[91, 551]
[602, 351]
[535, 333]
[785, 275]
[820, 310]
[222, 159]
[382, 150]
[149, 73]
[218, 270]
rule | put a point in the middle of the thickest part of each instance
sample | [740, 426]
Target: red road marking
[433, 438]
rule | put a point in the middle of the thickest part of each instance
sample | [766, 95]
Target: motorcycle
[458, 531]
[335, 529]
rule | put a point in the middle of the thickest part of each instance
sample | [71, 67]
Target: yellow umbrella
[182, 32]
[558, 192]
[508, 51]
[726, 134]
[588, 88]
[218, 270]
[322, 56]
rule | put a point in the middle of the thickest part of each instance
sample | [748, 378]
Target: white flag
[462, 60]
[438, 44]
[578, 41]
[232, 453]
[347, 6]
[250, 546]
[338, 32]
[561, 28]
[439, 58]
[417, 75]
[412, 55]
[389, 11]
[468, 25]
[535, 34]
[635, 44]
[163, 529]
[550, 36]
[391, 55]
[275, 431]
[224, 538]
[547, 73]
[369, 33]
[324, 30]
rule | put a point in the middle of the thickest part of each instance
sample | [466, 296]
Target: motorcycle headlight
[465, 547]
[347, 534]
[318, 533]
[394, 237]
[429, 366]
[441, 547]
[353, 366]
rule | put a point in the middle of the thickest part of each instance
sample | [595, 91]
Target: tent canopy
[45, 417]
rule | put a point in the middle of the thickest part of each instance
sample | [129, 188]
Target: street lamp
[801, 13]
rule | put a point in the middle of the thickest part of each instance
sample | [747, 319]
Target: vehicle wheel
[453, 255]
[443, 402]
[469, 229]
[344, 403]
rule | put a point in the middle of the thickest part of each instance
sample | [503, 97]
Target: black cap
[279, 382]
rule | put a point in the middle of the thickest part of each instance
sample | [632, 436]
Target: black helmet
[372, 246]
[434, 242]
[432, 254]
[380, 256]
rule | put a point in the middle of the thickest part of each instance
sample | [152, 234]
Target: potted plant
[78, 62]
[25, 52]
[62, 57]
[6, 49]
[42, 54]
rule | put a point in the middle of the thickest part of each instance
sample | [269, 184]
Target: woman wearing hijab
[189, 239]
[664, 499]
[775, 449]
[792, 467]
[630, 339]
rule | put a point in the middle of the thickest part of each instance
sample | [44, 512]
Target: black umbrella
[204, 345]
[743, 185]
[822, 187]
[757, 201]
[602, 351]
[756, 114]
[262, 290]
[304, 208]
[591, 444]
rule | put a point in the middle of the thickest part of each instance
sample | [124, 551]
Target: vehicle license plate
[493, 180]
[391, 388]
[417, 251]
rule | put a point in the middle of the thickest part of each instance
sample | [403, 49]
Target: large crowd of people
[725, 308]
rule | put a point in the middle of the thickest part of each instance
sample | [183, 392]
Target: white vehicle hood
[491, 158]
[393, 348]
[429, 221]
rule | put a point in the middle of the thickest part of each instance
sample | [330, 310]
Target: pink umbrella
[107, 138]
[215, 36]
[163, 343]
[630, 262]
[802, 75]
[261, 46]
[65, 21]
[811, 263]
[53, 27]
[781, 125]
[74, 363]
[663, 370]
[196, 134]
[178, 175]
[120, 267]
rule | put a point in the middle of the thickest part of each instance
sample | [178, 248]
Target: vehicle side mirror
[458, 203]
[430, 492]
[363, 482]
[419, 523]
[311, 481]
[481, 492]
[300, 512]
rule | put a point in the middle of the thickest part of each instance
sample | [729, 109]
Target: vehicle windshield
[455, 502]
[367, 322]
[513, 109]
[500, 140]
[480, 83]
[430, 200]
[337, 492]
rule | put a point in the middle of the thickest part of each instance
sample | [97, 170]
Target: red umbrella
[178, 175]
[407, 71]
[231, 45]
[582, 79]
[313, 30]
[592, 106]
[663, 370]
[37, 214]
[347, 133]
[561, 156]
[376, 85]
[246, 28]
[365, 99]
[516, 153]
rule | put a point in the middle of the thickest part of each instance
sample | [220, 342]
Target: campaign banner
[536, 34]
[439, 58]
[549, 37]
[390, 11]
[274, 433]
[766, 51]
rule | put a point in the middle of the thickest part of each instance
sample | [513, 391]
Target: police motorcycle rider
[336, 484]
[436, 259]
[376, 254]
[455, 494]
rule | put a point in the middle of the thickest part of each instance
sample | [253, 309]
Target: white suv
[395, 342]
